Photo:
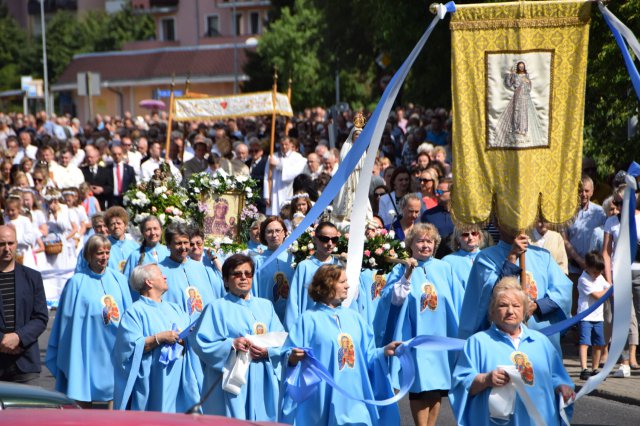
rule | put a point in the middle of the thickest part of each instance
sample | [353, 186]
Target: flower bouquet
[382, 251]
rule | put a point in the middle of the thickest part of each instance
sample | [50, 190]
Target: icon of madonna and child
[523, 122]
[221, 218]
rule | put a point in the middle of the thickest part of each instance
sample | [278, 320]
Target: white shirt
[586, 286]
[289, 166]
[133, 159]
[148, 167]
[31, 153]
[67, 177]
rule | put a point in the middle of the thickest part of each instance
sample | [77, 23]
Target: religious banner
[518, 82]
[213, 108]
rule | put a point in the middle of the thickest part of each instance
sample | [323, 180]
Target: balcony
[243, 4]
[51, 6]
[155, 6]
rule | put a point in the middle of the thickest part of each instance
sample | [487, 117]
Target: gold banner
[518, 82]
[213, 108]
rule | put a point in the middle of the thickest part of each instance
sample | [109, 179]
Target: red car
[111, 418]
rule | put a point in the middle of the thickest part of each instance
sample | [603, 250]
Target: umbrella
[152, 104]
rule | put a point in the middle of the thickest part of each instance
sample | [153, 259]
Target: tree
[16, 52]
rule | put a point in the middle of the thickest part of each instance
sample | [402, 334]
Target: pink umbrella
[152, 104]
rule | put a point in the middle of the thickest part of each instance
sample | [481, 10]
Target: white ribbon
[360, 203]
[502, 399]
[234, 373]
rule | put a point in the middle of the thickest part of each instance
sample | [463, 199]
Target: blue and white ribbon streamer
[372, 132]
[302, 380]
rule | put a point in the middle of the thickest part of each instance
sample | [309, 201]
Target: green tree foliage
[611, 100]
[16, 51]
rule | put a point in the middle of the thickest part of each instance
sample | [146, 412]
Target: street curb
[624, 399]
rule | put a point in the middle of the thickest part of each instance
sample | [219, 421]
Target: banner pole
[170, 119]
[273, 131]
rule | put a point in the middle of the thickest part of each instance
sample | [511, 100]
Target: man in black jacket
[257, 163]
[99, 178]
[23, 314]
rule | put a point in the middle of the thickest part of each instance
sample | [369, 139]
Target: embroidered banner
[213, 108]
[518, 82]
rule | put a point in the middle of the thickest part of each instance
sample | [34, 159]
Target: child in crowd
[591, 286]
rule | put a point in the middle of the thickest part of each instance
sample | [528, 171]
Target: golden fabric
[518, 83]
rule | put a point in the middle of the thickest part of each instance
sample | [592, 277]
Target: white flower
[163, 196]
[162, 218]
[140, 194]
[335, 249]
[294, 249]
[372, 261]
[310, 246]
[392, 234]
[392, 213]
[293, 265]
[386, 246]
[178, 219]
[402, 244]
[227, 240]
[196, 190]
[159, 190]
[242, 178]
[303, 248]
[126, 199]
[177, 211]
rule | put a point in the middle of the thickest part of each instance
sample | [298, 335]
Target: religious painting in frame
[518, 99]
[222, 217]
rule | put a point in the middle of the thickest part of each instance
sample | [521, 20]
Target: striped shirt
[8, 294]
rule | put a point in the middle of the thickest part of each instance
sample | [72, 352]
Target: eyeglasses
[240, 274]
[426, 180]
[254, 151]
[440, 191]
[379, 194]
[274, 231]
[38, 180]
[325, 239]
[468, 234]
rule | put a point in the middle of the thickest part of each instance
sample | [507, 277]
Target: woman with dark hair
[379, 192]
[187, 279]
[239, 333]
[85, 327]
[325, 242]
[117, 220]
[273, 281]
[389, 208]
[344, 343]
[151, 250]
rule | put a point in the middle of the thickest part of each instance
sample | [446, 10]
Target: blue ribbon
[302, 381]
[633, 170]
[570, 322]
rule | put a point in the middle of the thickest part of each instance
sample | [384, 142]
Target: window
[213, 25]
[168, 26]
[255, 23]
[238, 21]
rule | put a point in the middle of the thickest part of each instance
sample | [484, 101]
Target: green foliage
[16, 52]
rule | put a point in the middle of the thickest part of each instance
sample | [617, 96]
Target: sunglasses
[426, 180]
[38, 180]
[325, 239]
[253, 151]
[467, 234]
[379, 194]
[240, 274]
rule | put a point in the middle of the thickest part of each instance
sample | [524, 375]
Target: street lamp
[47, 107]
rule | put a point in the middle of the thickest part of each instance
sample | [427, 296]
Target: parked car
[110, 418]
[15, 395]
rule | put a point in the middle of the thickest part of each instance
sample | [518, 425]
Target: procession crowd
[148, 318]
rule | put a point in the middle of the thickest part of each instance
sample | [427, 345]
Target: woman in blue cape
[325, 240]
[117, 220]
[530, 355]
[189, 286]
[225, 332]
[466, 242]
[151, 373]
[210, 261]
[343, 343]
[420, 299]
[84, 331]
[274, 281]
[151, 250]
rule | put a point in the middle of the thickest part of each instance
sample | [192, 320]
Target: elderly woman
[420, 299]
[466, 242]
[508, 342]
[117, 220]
[273, 281]
[84, 331]
[227, 327]
[344, 343]
[151, 250]
[143, 381]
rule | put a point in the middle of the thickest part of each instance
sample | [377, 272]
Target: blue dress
[273, 282]
[84, 333]
[461, 262]
[120, 252]
[299, 300]
[155, 254]
[548, 286]
[343, 343]
[540, 366]
[372, 283]
[428, 309]
[220, 323]
[142, 382]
